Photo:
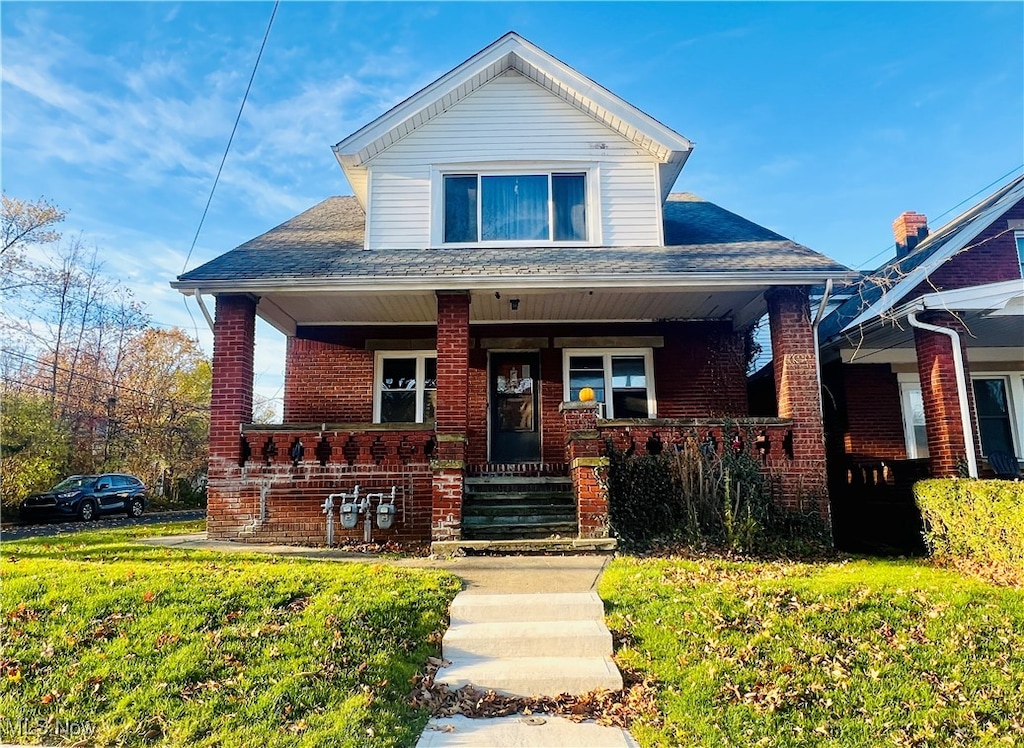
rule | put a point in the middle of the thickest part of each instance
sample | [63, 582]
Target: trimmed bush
[981, 520]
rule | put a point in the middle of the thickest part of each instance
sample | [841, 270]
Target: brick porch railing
[274, 490]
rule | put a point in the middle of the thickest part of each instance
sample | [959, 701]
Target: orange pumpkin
[586, 395]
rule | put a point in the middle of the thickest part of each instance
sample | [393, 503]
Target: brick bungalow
[511, 240]
[923, 365]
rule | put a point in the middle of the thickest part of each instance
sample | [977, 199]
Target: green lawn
[124, 644]
[860, 653]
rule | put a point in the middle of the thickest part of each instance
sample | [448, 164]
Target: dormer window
[538, 207]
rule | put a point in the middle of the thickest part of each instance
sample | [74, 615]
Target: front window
[406, 387]
[1019, 237]
[622, 380]
[914, 432]
[515, 207]
[993, 410]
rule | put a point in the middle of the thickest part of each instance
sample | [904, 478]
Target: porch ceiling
[743, 305]
[880, 344]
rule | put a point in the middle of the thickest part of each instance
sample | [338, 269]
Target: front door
[515, 415]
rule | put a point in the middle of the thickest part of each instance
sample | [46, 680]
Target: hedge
[981, 520]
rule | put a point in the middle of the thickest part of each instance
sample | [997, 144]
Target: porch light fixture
[514, 303]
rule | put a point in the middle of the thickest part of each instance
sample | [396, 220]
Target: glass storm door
[515, 415]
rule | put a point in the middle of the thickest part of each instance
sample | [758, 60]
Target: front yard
[106, 641]
[856, 653]
[109, 642]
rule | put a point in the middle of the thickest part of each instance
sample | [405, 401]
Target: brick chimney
[910, 229]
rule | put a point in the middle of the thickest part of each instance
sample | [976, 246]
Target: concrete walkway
[540, 590]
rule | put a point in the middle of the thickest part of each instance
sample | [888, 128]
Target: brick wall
[476, 416]
[327, 382]
[943, 424]
[276, 495]
[874, 420]
[798, 396]
[700, 373]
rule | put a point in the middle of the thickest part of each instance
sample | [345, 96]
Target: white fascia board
[989, 297]
[955, 244]
[587, 88]
[677, 281]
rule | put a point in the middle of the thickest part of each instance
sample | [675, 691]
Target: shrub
[980, 520]
[695, 496]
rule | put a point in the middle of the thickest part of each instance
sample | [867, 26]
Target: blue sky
[822, 121]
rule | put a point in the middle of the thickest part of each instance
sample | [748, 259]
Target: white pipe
[817, 353]
[206, 312]
[961, 387]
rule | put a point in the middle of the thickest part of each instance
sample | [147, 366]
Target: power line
[238, 119]
[95, 380]
[892, 247]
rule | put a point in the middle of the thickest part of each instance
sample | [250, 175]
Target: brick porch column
[234, 340]
[586, 467]
[799, 399]
[942, 417]
[449, 463]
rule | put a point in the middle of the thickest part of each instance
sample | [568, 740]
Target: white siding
[512, 119]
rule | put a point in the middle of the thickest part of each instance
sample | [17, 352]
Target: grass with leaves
[107, 641]
[855, 653]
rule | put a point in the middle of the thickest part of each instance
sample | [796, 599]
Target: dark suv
[88, 496]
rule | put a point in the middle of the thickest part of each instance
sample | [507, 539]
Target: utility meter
[349, 515]
[385, 515]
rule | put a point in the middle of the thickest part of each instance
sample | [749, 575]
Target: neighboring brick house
[898, 405]
[511, 240]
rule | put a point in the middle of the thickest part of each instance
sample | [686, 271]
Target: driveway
[17, 531]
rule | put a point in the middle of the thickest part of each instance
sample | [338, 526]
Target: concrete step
[556, 606]
[525, 545]
[522, 731]
[533, 676]
[527, 639]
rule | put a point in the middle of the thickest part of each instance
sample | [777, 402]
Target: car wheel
[135, 507]
[87, 511]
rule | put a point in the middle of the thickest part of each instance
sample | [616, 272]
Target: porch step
[510, 507]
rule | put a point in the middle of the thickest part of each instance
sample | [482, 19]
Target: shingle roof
[326, 242]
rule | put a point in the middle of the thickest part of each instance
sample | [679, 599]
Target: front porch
[493, 445]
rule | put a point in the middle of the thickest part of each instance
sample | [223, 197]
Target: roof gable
[512, 53]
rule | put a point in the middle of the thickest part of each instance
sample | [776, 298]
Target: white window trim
[378, 364]
[1018, 244]
[909, 383]
[593, 177]
[607, 354]
[1014, 383]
